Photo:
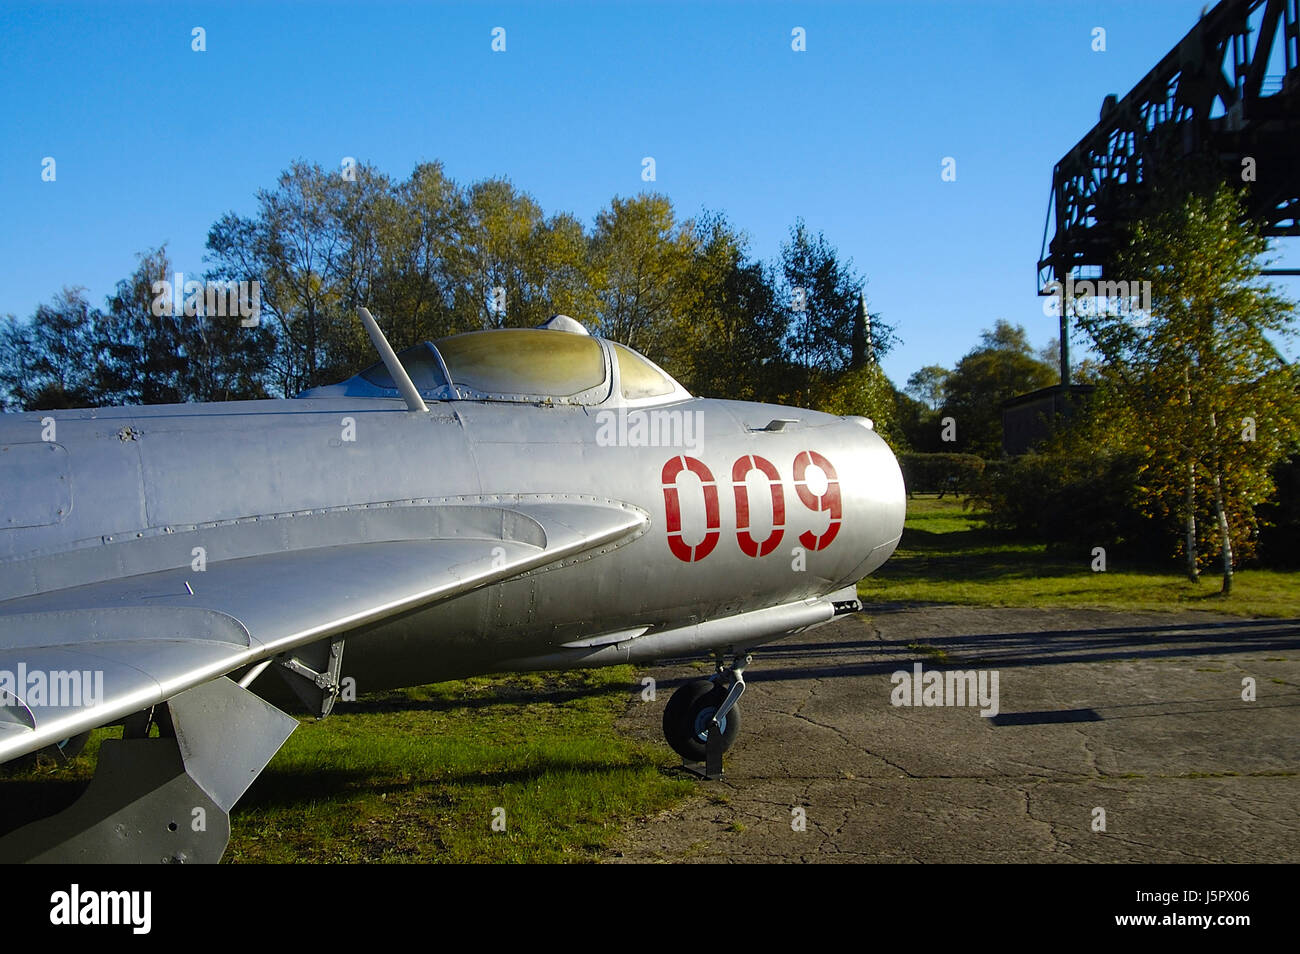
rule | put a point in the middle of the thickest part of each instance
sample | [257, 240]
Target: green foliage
[941, 473]
[827, 333]
[430, 258]
[927, 384]
[70, 354]
[1211, 407]
[1193, 413]
[48, 363]
[317, 245]
[920, 426]
[147, 358]
[731, 343]
[1279, 517]
[864, 391]
[640, 256]
[1082, 500]
[1002, 366]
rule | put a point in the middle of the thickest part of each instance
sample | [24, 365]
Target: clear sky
[154, 141]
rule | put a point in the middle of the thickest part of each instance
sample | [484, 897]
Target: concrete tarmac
[1138, 715]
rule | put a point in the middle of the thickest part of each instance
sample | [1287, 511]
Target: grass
[935, 653]
[415, 776]
[948, 556]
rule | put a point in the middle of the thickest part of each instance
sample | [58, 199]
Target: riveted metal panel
[35, 484]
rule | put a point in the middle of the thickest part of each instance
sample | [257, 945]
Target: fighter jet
[495, 501]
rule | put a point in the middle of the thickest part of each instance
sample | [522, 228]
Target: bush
[1279, 532]
[941, 473]
[1085, 501]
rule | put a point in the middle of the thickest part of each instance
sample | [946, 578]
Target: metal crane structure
[1226, 98]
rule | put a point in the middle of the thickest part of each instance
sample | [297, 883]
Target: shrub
[941, 473]
[1079, 500]
[1279, 532]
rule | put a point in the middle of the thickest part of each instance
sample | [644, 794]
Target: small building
[1027, 419]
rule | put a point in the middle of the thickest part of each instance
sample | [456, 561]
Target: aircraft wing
[157, 634]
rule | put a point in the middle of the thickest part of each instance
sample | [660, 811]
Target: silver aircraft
[518, 499]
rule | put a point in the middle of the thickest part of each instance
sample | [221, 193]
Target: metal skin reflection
[211, 559]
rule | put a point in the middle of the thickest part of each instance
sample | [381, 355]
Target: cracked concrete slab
[1139, 715]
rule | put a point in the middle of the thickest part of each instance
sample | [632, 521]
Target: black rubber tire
[686, 719]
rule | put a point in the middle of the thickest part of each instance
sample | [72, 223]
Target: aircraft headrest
[563, 323]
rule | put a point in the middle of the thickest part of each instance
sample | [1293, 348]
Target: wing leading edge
[77, 658]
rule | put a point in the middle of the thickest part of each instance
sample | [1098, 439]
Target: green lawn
[414, 776]
[947, 556]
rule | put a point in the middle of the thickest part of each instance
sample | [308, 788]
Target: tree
[497, 285]
[865, 391]
[16, 357]
[416, 293]
[918, 409]
[1002, 366]
[431, 258]
[729, 323]
[1216, 404]
[142, 355]
[308, 247]
[926, 385]
[558, 265]
[824, 299]
[638, 265]
[48, 362]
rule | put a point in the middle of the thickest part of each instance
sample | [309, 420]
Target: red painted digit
[739, 471]
[828, 500]
[673, 510]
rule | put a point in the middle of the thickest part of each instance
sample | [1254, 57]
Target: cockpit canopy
[550, 365]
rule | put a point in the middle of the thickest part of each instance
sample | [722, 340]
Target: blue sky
[154, 141]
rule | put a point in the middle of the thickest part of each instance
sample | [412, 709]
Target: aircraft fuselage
[742, 517]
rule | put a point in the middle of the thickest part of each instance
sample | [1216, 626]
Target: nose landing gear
[701, 720]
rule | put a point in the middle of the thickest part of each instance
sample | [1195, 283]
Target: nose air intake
[882, 497]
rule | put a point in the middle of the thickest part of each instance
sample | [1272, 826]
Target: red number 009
[827, 501]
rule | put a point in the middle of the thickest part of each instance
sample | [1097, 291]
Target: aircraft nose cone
[877, 497]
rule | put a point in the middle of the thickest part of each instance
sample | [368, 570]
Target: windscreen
[420, 363]
[638, 378]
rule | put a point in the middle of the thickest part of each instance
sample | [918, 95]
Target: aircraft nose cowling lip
[881, 500]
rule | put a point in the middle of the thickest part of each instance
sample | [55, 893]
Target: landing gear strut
[701, 720]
